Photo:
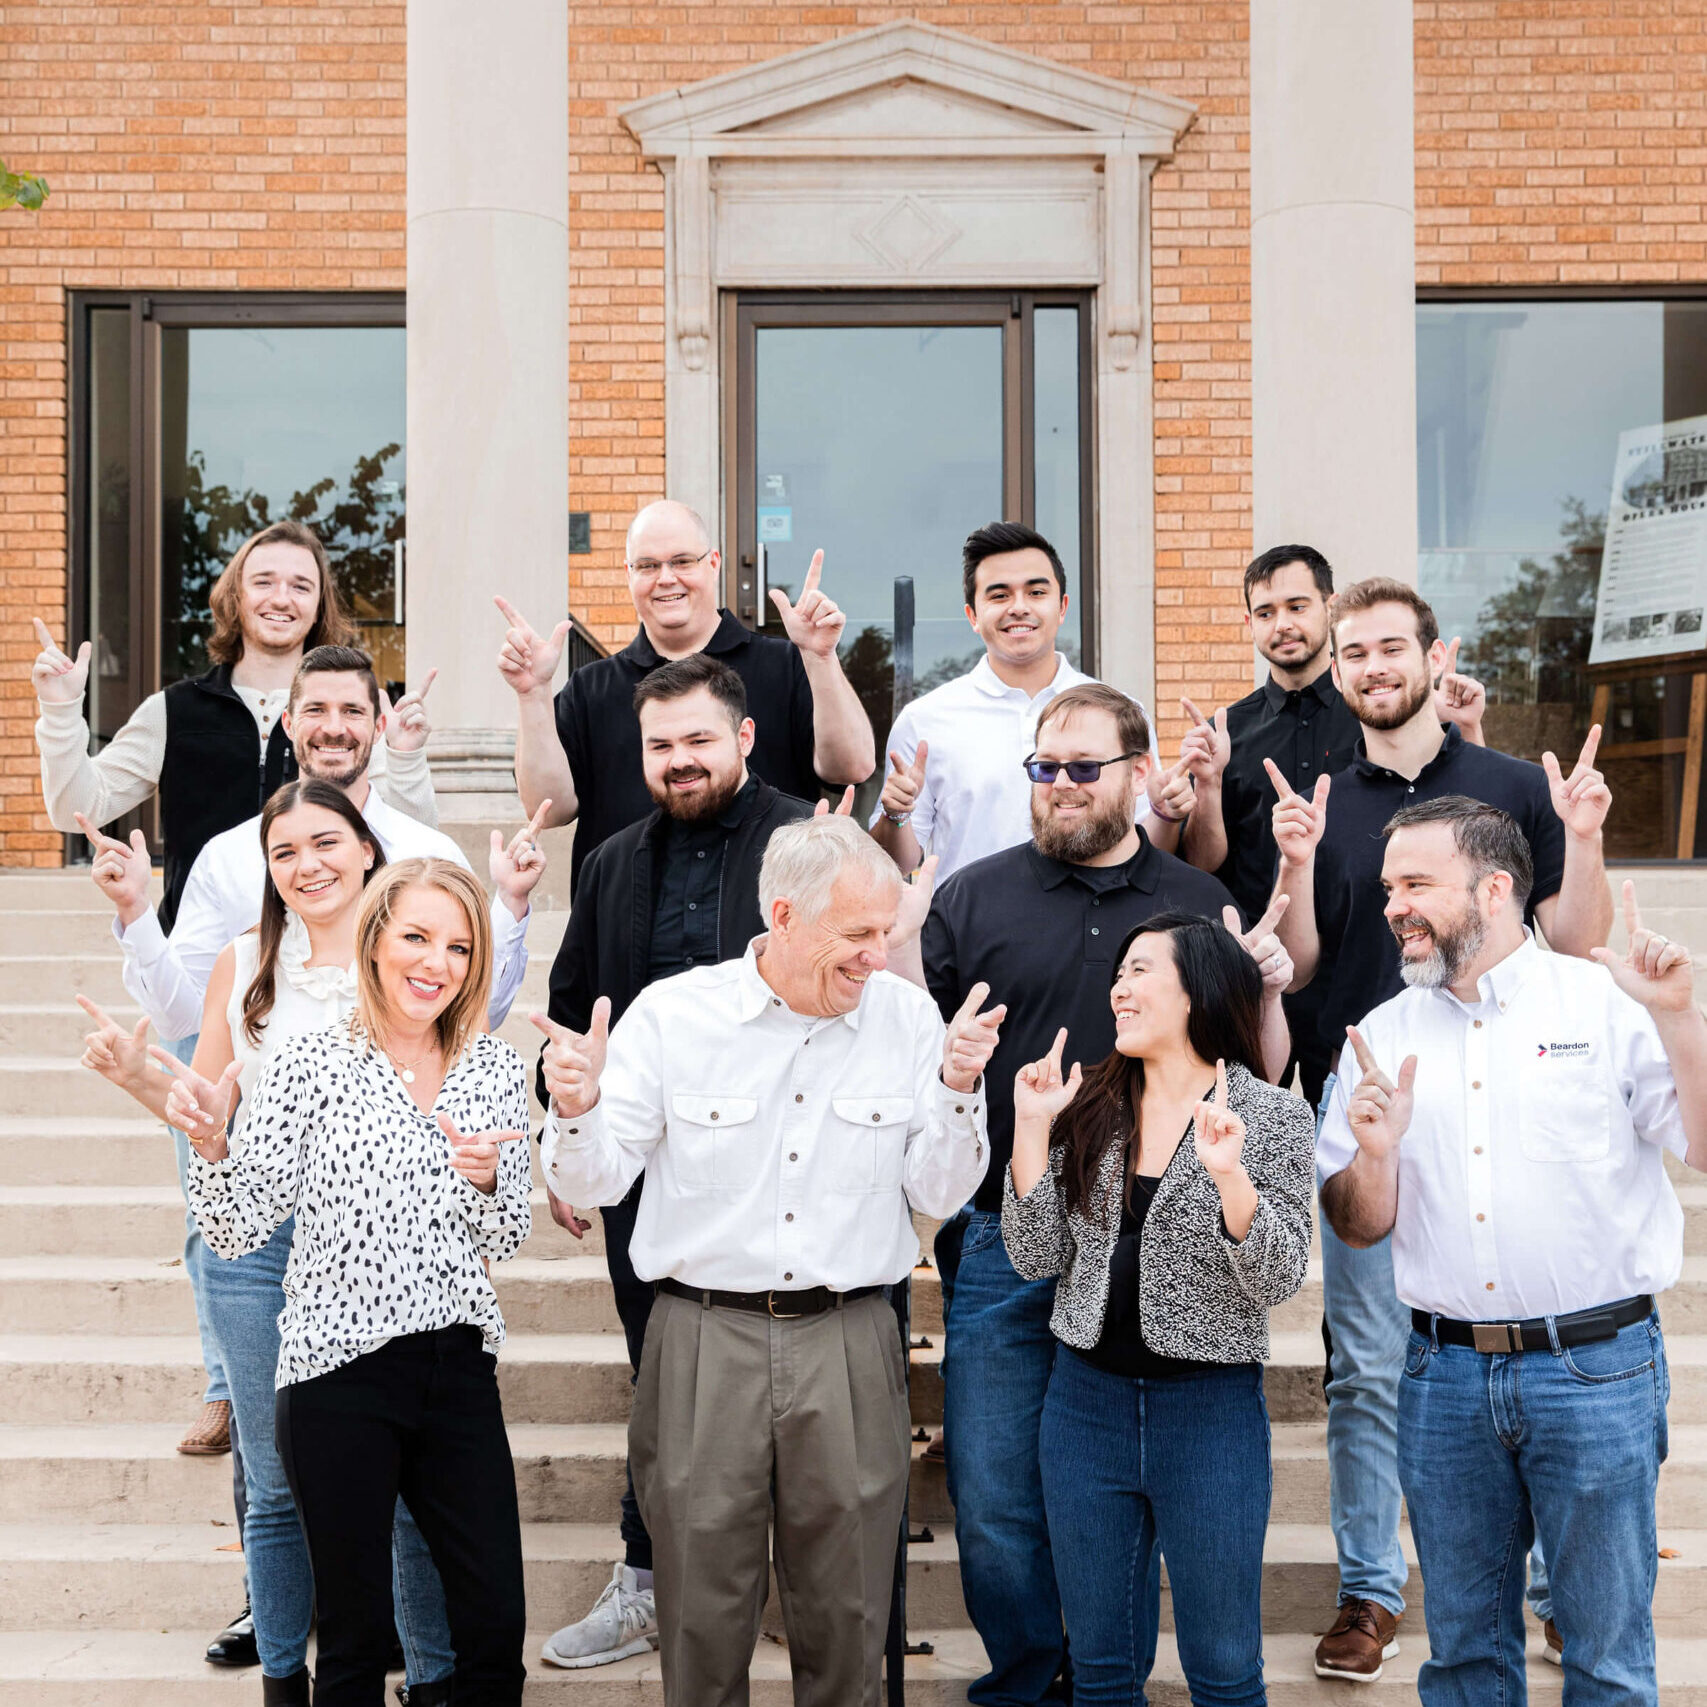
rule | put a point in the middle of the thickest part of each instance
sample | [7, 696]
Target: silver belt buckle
[1496, 1336]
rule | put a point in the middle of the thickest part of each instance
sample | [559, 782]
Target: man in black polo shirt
[1386, 648]
[680, 888]
[1298, 721]
[1040, 924]
[582, 751]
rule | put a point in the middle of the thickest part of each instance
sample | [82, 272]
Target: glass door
[883, 429]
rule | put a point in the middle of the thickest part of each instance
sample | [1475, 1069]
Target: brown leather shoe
[1554, 1651]
[210, 1434]
[1364, 1634]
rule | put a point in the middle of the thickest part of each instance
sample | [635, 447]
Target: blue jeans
[1367, 1330]
[997, 1356]
[1135, 1468]
[418, 1604]
[196, 1254]
[1564, 1444]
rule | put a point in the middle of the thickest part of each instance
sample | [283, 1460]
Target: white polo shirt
[1532, 1180]
[976, 799]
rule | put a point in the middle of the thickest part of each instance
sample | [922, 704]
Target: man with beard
[1386, 649]
[677, 890]
[1039, 924]
[1508, 1128]
[1297, 720]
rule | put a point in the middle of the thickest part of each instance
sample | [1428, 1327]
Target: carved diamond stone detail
[908, 235]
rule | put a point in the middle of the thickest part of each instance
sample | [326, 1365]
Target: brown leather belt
[1581, 1327]
[784, 1306]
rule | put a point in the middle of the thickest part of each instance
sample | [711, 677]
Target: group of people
[1055, 995]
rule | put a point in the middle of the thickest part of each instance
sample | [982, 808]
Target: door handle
[761, 594]
[397, 583]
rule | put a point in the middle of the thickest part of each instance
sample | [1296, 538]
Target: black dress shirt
[1043, 936]
[1359, 958]
[1305, 731]
[600, 732]
[690, 879]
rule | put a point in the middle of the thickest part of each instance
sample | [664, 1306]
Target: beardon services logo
[1562, 1051]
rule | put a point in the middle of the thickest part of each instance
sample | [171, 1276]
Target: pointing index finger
[432, 676]
[1192, 712]
[1221, 1083]
[1365, 1057]
[813, 574]
[1276, 909]
[1591, 746]
[511, 615]
[974, 1001]
[1281, 786]
[1632, 913]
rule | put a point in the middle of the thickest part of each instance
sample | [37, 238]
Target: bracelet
[896, 817]
[1167, 817]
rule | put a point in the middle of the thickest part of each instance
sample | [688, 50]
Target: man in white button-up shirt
[1509, 1130]
[955, 786]
[790, 1110]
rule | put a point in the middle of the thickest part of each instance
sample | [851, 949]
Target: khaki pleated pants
[741, 1423]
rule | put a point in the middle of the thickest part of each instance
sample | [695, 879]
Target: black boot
[289, 1691]
[426, 1694]
[235, 1644]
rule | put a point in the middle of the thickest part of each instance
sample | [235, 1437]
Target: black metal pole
[903, 643]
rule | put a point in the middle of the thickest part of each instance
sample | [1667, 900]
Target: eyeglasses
[1078, 770]
[648, 567]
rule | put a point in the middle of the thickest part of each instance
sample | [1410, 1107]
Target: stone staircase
[113, 1563]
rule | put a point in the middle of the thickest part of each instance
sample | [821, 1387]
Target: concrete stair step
[52, 1027]
[68, 928]
[60, 977]
[57, 1085]
[69, 886]
[70, 1151]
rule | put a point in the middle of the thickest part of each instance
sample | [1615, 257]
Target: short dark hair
[1487, 837]
[682, 676]
[994, 538]
[1132, 728]
[335, 660]
[1382, 590]
[1267, 564]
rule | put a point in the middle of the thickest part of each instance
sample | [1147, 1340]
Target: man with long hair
[214, 746]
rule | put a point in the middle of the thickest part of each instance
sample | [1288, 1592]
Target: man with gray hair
[790, 1110]
[581, 750]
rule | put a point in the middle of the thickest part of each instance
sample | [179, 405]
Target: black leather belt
[814, 1301]
[1581, 1327]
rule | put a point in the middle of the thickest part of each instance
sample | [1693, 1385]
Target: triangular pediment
[910, 84]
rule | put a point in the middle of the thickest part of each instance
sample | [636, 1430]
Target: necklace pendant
[408, 1076]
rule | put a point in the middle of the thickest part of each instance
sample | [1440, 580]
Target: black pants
[419, 1416]
[634, 1306]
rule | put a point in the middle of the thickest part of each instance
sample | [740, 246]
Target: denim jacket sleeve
[1034, 1227]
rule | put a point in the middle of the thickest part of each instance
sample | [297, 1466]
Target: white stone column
[1333, 283]
[488, 350]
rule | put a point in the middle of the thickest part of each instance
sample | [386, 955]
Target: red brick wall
[261, 147]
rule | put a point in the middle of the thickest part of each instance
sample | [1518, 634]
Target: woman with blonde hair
[392, 1138]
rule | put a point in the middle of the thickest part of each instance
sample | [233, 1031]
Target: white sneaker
[624, 1621]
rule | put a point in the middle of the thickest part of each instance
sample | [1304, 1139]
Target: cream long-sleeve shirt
[126, 772]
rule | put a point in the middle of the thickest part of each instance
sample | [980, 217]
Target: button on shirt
[600, 731]
[1043, 935]
[1532, 1180]
[168, 976]
[1306, 731]
[976, 798]
[780, 1151]
[1359, 958]
[690, 882]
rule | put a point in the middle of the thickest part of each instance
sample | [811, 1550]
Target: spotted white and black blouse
[390, 1239]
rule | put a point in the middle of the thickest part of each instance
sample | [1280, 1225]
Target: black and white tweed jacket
[1200, 1295]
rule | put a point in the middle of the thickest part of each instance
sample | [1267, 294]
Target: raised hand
[1654, 970]
[1581, 799]
[198, 1107]
[406, 725]
[528, 660]
[901, 786]
[1380, 1110]
[1217, 1131]
[1171, 792]
[113, 1052]
[517, 866]
[1263, 946]
[474, 1155]
[971, 1040]
[122, 870]
[1207, 746]
[573, 1061]
[844, 806]
[915, 905]
[1459, 699]
[1040, 1092]
[57, 679]
[815, 624]
[1298, 820]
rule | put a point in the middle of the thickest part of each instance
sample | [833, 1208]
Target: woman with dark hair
[1170, 1189]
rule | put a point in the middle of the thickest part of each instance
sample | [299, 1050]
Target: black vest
[212, 776]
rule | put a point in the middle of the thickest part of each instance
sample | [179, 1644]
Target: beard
[696, 808]
[1094, 834]
[1412, 697]
[1296, 664]
[340, 766]
[1456, 944]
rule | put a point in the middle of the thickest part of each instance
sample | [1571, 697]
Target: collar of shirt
[730, 634]
[1322, 690]
[1139, 872]
[983, 677]
[1451, 744]
[1500, 983]
[753, 996]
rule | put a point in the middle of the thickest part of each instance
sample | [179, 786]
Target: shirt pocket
[1566, 1116]
[870, 1136]
[715, 1146]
